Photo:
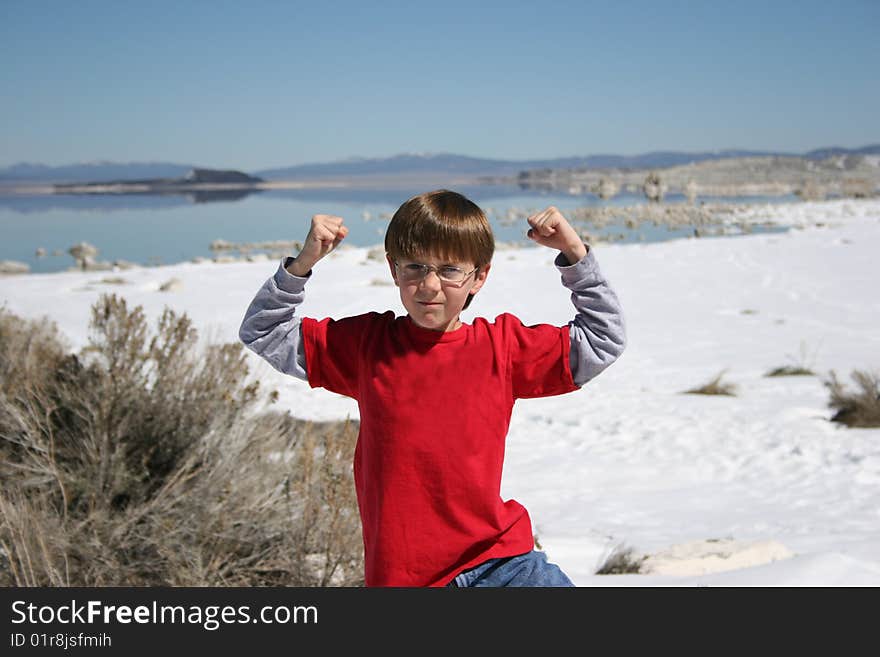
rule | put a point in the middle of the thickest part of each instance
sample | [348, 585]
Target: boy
[436, 395]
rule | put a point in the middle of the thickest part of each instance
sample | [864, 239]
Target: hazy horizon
[357, 158]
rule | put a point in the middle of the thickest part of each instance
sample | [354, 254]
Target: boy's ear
[393, 268]
[480, 278]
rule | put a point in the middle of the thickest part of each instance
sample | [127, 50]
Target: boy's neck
[454, 325]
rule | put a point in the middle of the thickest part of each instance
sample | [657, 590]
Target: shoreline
[50, 189]
[716, 189]
[704, 220]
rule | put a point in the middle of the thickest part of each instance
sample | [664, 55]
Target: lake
[155, 229]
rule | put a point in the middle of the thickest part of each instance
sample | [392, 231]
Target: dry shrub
[799, 365]
[33, 540]
[29, 350]
[714, 387]
[860, 408]
[790, 370]
[622, 561]
[144, 461]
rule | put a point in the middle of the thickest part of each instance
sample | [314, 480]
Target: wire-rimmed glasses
[415, 272]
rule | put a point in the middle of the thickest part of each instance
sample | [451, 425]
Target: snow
[756, 489]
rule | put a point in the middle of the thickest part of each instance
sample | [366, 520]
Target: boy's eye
[451, 273]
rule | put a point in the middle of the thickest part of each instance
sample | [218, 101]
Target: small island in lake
[195, 180]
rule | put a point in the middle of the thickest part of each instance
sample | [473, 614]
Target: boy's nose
[431, 280]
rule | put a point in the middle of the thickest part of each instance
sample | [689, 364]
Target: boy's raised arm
[597, 332]
[270, 327]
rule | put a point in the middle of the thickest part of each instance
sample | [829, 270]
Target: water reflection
[168, 228]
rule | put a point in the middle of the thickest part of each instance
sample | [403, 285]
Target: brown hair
[440, 223]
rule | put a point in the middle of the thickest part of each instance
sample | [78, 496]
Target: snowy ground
[755, 489]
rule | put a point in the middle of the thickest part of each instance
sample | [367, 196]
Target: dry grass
[145, 461]
[799, 366]
[860, 408]
[790, 370]
[714, 387]
[622, 561]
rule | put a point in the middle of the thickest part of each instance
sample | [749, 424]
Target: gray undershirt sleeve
[598, 331]
[271, 328]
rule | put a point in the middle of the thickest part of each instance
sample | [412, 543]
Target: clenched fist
[549, 228]
[325, 234]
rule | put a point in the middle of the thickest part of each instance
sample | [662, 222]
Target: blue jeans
[529, 569]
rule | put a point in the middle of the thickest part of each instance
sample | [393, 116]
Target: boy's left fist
[549, 228]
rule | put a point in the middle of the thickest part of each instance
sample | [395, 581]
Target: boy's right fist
[325, 234]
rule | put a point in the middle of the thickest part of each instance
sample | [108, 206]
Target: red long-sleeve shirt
[434, 411]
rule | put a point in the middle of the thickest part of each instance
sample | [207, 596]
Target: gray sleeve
[598, 331]
[271, 328]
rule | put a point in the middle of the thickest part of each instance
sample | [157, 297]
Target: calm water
[152, 229]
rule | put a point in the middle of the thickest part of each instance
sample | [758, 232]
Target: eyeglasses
[414, 272]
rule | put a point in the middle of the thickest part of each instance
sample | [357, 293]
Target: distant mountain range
[470, 166]
[398, 165]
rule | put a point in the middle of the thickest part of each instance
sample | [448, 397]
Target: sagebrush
[147, 460]
[801, 365]
[622, 560]
[859, 408]
[714, 387]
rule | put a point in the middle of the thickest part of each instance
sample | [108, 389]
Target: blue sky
[261, 84]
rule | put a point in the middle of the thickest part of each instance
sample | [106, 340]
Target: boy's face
[433, 303]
